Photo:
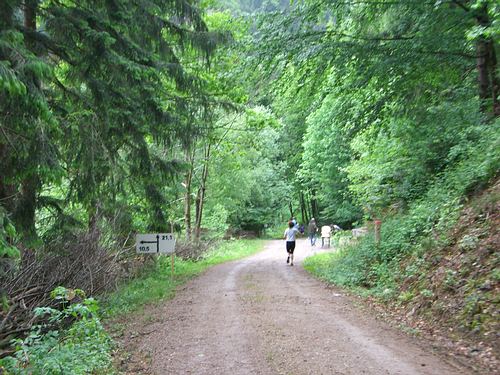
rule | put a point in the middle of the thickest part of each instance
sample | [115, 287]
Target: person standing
[326, 231]
[289, 236]
[311, 231]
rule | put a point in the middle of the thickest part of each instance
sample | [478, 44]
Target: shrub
[424, 225]
[49, 348]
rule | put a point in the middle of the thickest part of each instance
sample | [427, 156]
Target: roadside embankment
[443, 284]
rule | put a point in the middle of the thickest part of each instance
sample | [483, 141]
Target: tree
[368, 77]
[100, 85]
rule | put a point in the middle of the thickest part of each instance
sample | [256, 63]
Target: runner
[289, 236]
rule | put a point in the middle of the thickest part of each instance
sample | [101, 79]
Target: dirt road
[261, 316]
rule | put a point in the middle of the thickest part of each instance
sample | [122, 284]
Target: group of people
[294, 229]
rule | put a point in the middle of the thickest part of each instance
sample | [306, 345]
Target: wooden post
[378, 224]
[172, 265]
[172, 256]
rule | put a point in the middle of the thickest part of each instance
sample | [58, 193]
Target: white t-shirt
[325, 231]
[290, 234]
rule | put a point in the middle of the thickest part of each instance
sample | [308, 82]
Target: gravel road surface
[262, 316]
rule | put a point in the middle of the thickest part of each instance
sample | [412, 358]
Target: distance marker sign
[155, 243]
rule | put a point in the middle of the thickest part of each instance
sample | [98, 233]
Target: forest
[219, 119]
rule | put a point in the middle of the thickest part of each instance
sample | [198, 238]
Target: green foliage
[251, 6]
[94, 98]
[275, 231]
[246, 178]
[9, 254]
[378, 267]
[217, 220]
[7, 232]
[83, 348]
[387, 94]
[320, 265]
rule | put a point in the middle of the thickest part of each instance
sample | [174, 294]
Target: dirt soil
[262, 316]
[461, 314]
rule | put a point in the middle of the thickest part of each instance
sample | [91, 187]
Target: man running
[289, 236]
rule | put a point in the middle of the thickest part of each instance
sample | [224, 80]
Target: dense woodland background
[225, 118]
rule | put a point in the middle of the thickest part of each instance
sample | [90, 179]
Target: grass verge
[320, 264]
[156, 284]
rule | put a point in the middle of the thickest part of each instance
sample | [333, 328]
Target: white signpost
[156, 243]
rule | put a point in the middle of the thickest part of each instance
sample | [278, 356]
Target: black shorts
[290, 247]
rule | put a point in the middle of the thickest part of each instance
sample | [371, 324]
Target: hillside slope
[442, 283]
[454, 296]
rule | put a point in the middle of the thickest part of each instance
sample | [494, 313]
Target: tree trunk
[25, 206]
[30, 10]
[93, 213]
[187, 198]
[7, 191]
[301, 204]
[310, 208]
[482, 71]
[24, 213]
[316, 208]
[160, 223]
[303, 208]
[6, 15]
[486, 63]
[307, 205]
[187, 205]
[314, 205]
[200, 198]
[495, 79]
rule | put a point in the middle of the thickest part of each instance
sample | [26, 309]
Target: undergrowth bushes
[423, 226]
[276, 231]
[69, 340]
[68, 337]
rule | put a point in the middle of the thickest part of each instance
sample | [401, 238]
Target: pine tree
[89, 91]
